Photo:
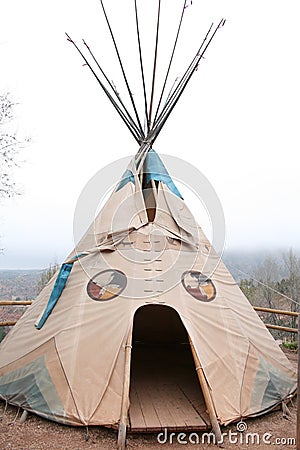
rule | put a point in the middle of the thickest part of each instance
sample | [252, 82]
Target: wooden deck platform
[165, 391]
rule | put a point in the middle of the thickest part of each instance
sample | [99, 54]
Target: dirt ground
[270, 431]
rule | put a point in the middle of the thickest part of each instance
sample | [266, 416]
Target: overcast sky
[237, 122]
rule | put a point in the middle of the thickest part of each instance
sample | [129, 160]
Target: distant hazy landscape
[19, 284]
[23, 284]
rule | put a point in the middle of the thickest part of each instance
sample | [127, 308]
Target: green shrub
[2, 334]
[290, 345]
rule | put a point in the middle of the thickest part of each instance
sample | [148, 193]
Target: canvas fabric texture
[71, 370]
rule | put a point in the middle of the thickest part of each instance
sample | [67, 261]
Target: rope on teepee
[264, 284]
[16, 416]
[5, 409]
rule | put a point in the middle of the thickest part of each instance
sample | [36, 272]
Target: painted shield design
[199, 286]
[106, 285]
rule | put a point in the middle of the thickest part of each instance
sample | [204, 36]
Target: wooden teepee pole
[207, 397]
[125, 395]
[23, 416]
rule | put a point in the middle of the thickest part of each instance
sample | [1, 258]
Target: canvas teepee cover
[66, 362]
[66, 359]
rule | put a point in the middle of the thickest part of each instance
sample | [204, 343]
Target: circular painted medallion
[106, 285]
[199, 286]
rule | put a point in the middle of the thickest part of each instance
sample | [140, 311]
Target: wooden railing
[13, 303]
[280, 312]
[256, 308]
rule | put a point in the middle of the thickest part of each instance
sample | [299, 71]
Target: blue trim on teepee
[154, 169]
[127, 176]
[59, 286]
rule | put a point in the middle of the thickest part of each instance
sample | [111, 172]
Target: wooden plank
[160, 400]
[196, 398]
[136, 417]
[183, 412]
[190, 386]
[152, 421]
[180, 415]
[194, 394]
[172, 403]
[158, 394]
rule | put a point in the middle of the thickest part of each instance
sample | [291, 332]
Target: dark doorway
[165, 392]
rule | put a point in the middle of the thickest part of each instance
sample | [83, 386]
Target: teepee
[144, 328]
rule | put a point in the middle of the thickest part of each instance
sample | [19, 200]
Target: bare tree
[267, 275]
[47, 275]
[9, 147]
[290, 285]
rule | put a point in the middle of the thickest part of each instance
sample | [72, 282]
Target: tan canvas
[72, 369]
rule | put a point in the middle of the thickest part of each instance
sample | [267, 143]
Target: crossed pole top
[155, 113]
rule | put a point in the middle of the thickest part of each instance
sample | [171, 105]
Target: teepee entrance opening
[165, 391]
